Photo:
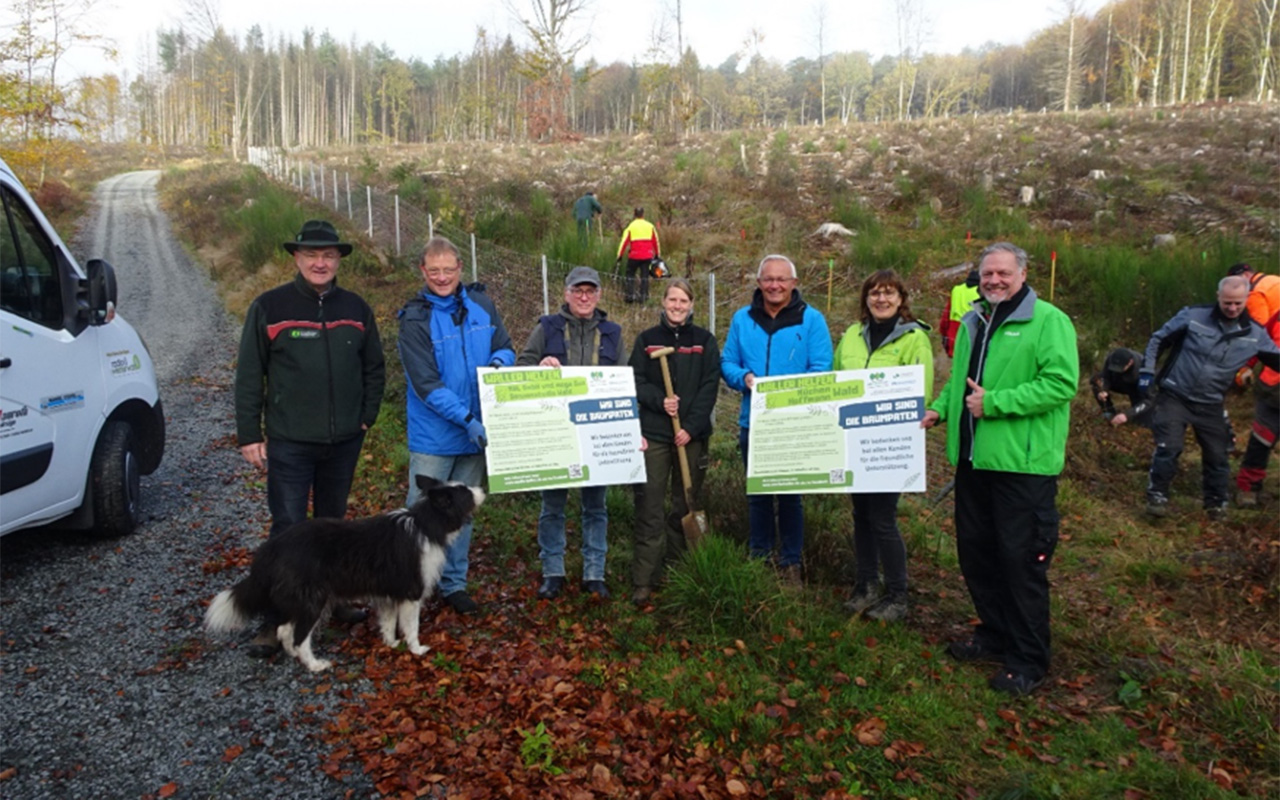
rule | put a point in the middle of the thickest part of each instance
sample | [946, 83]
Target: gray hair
[1004, 247]
[437, 245]
[1233, 282]
[775, 257]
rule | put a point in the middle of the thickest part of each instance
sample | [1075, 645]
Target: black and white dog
[392, 561]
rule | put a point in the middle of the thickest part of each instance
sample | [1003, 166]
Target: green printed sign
[538, 390]
[810, 395]
[836, 480]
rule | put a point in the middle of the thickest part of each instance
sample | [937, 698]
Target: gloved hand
[1144, 383]
[475, 432]
[496, 364]
[1244, 376]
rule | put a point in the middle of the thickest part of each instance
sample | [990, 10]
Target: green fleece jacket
[906, 344]
[1030, 370]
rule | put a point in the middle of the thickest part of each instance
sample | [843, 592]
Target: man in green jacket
[1007, 407]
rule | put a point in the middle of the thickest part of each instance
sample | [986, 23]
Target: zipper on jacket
[328, 360]
[982, 359]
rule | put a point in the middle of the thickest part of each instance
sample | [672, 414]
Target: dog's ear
[426, 483]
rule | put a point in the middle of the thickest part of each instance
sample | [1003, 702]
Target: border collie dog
[392, 561]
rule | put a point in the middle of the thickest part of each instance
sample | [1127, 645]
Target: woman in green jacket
[888, 335]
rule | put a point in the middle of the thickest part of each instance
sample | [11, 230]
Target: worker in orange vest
[1263, 304]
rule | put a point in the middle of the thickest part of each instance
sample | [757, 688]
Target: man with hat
[579, 335]
[1119, 375]
[309, 376]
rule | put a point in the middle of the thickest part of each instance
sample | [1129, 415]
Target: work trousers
[1006, 532]
[1169, 424]
[1262, 438]
[660, 536]
[641, 266]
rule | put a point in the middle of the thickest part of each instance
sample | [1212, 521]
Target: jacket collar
[309, 291]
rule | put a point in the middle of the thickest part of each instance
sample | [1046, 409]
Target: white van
[80, 413]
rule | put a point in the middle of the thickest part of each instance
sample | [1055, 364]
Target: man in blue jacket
[1208, 344]
[778, 334]
[446, 332]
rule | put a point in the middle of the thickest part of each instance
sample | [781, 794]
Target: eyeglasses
[436, 274]
[584, 291]
[775, 280]
[883, 293]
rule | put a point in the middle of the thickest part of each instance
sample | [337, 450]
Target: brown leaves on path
[463, 720]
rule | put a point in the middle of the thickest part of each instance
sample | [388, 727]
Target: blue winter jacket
[795, 341]
[442, 341]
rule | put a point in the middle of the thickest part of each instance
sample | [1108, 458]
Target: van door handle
[5, 362]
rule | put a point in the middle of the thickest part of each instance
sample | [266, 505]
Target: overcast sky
[617, 29]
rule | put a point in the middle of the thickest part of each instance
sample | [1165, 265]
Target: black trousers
[1172, 417]
[1006, 532]
[637, 267]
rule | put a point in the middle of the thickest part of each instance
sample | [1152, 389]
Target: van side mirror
[99, 292]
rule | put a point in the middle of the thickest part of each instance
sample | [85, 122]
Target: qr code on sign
[575, 471]
[836, 477]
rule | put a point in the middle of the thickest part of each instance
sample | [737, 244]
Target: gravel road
[110, 689]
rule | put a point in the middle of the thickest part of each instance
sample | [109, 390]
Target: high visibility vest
[962, 299]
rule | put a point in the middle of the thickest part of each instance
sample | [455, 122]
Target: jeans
[595, 526]
[785, 526]
[468, 469]
[1169, 427]
[877, 541]
[297, 471]
[1006, 532]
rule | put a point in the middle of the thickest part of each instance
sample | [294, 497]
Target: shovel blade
[695, 527]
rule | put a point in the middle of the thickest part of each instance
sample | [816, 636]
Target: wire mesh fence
[526, 285]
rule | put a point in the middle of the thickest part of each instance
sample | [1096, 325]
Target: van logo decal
[62, 402]
[123, 362]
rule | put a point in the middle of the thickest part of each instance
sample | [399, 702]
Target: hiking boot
[551, 587]
[461, 602]
[973, 650]
[597, 588]
[1216, 513]
[790, 576]
[892, 608]
[642, 595]
[863, 597]
[1158, 506]
[349, 614]
[1014, 683]
[1247, 500]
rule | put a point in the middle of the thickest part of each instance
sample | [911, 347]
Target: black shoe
[597, 588]
[461, 602]
[349, 614]
[1014, 683]
[973, 650]
[551, 587]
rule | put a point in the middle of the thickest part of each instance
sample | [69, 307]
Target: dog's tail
[225, 614]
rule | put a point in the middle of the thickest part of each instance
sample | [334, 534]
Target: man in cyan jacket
[1007, 407]
[778, 334]
[1208, 344]
[446, 332]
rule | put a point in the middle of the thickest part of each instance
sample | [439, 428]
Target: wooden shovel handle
[685, 476]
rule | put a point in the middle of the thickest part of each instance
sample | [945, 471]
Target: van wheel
[116, 481]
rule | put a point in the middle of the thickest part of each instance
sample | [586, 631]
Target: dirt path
[109, 687]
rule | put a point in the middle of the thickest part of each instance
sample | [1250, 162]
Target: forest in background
[211, 90]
